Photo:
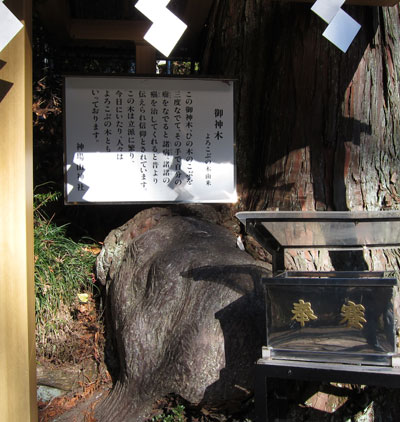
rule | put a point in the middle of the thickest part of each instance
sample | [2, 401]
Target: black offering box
[329, 326]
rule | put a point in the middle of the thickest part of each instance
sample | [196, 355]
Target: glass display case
[344, 317]
[331, 317]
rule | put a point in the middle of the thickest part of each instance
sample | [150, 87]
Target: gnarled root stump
[186, 313]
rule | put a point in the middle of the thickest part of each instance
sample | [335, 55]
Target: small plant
[175, 414]
[63, 268]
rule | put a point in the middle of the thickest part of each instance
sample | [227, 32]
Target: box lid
[323, 229]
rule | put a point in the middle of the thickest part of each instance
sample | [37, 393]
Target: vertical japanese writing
[95, 114]
[154, 137]
[208, 159]
[189, 136]
[107, 123]
[178, 138]
[219, 124]
[119, 123]
[143, 140]
[142, 136]
[218, 136]
[80, 168]
[166, 142]
[130, 114]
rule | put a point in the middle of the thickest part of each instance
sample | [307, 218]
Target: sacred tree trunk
[316, 129]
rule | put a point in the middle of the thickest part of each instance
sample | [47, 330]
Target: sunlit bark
[316, 128]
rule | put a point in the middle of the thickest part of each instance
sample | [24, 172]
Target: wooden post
[17, 318]
[145, 59]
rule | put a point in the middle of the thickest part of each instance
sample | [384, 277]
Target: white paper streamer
[327, 9]
[342, 28]
[9, 26]
[166, 30]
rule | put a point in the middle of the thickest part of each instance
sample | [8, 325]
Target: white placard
[132, 139]
[327, 9]
[342, 30]
[9, 26]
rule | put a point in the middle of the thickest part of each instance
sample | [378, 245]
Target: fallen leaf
[83, 297]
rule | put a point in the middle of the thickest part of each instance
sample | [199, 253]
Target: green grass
[175, 414]
[63, 268]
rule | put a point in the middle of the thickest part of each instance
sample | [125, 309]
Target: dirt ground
[82, 372]
[85, 378]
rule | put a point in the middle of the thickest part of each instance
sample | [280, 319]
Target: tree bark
[317, 129]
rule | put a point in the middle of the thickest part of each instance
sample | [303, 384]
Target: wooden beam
[196, 14]
[126, 30]
[145, 59]
[55, 15]
[98, 29]
[128, 6]
[355, 2]
[17, 296]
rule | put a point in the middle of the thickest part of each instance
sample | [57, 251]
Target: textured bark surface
[186, 313]
[316, 129]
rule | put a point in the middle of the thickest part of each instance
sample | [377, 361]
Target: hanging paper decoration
[342, 28]
[9, 25]
[166, 30]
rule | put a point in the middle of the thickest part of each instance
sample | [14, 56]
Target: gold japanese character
[353, 314]
[303, 312]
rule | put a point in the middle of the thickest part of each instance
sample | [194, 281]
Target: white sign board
[132, 139]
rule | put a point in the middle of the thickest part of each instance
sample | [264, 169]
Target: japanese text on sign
[149, 140]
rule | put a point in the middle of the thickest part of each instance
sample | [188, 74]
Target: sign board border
[134, 76]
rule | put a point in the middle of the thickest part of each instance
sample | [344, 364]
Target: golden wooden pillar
[17, 299]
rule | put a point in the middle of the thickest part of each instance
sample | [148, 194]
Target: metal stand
[313, 371]
[278, 231]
